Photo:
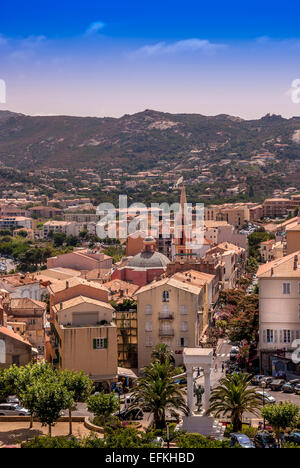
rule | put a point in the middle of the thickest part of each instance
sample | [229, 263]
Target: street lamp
[263, 384]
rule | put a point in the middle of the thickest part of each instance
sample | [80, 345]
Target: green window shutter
[94, 343]
[105, 342]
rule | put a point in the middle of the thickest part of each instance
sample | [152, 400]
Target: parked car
[257, 379]
[241, 440]
[134, 414]
[264, 440]
[267, 380]
[268, 399]
[182, 381]
[297, 389]
[288, 387]
[12, 409]
[276, 384]
[293, 438]
[13, 399]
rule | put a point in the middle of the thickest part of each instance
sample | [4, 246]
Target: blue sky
[110, 58]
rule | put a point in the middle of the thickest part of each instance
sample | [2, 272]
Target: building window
[148, 309]
[148, 326]
[183, 326]
[286, 336]
[270, 336]
[286, 288]
[149, 341]
[182, 342]
[165, 296]
[183, 310]
[99, 343]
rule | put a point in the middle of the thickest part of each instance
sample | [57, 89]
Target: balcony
[166, 332]
[165, 316]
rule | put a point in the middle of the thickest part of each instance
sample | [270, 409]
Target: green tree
[162, 353]
[233, 396]
[103, 405]
[50, 398]
[158, 393]
[26, 377]
[59, 238]
[281, 416]
[80, 385]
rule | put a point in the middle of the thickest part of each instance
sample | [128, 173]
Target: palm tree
[157, 393]
[234, 396]
[162, 353]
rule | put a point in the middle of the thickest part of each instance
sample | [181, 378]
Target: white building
[279, 314]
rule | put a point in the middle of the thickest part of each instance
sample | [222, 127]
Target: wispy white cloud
[186, 45]
[94, 28]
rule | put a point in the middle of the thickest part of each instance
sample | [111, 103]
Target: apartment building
[233, 259]
[271, 250]
[32, 314]
[293, 236]
[14, 349]
[235, 214]
[45, 212]
[279, 313]
[173, 312]
[15, 222]
[19, 285]
[84, 336]
[83, 259]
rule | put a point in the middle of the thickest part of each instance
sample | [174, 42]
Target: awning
[123, 372]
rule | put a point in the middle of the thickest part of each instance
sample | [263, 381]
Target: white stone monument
[199, 423]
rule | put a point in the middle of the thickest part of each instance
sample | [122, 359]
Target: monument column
[206, 387]
[190, 389]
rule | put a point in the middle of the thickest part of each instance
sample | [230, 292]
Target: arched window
[165, 296]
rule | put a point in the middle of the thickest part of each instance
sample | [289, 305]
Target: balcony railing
[166, 316]
[166, 332]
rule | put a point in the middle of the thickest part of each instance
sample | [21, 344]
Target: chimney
[295, 262]
[272, 271]
[67, 284]
[121, 293]
[60, 305]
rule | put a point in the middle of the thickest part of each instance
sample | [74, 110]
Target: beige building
[83, 334]
[271, 250]
[236, 214]
[279, 313]
[83, 259]
[293, 237]
[14, 349]
[86, 338]
[171, 311]
[33, 314]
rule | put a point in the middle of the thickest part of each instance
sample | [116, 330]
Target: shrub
[51, 442]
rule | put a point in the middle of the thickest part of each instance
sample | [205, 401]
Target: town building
[81, 259]
[32, 314]
[143, 267]
[14, 349]
[279, 314]
[171, 311]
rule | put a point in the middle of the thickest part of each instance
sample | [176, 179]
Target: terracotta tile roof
[72, 282]
[81, 300]
[281, 268]
[26, 303]
[172, 281]
[15, 336]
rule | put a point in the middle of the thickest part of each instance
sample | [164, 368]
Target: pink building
[81, 260]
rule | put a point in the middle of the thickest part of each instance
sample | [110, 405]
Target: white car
[12, 409]
[268, 399]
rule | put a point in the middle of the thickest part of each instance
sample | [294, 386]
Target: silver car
[12, 409]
